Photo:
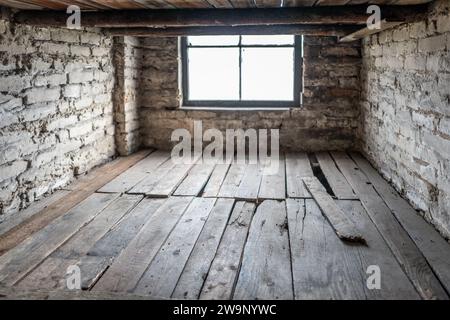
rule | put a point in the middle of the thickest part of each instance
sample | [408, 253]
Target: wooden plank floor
[164, 230]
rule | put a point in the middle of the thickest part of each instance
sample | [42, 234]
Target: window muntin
[242, 70]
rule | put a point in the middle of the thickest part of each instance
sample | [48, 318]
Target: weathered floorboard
[196, 180]
[224, 269]
[136, 173]
[20, 260]
[344, 228]
[322, 265]
[394, 284]
[297, 167]
[249, 186]
[433, 246]
[232, 181]
[45, 277]
[163, 273]
[83, 188]
[404, 249]
[215, 181]
[273, 184]
[266, 267]
[336, 180]
[197, 266]
[130, 265]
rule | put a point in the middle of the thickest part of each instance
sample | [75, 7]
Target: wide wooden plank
[130, 265]
[404, 249]
[433, 246]
[83, 189]
[196, 180]
[167, 185]
[249, 186]
[215, 181]
[232, 181]
[394, 282]
[102, 254]
[297, 167]
[222, 275]
[344, 228]
[136, 173]
[266, 267]
[17, 262]
[322, 265]
[273, 184]
[341, 188]
[196, 269]
[163, 273]
[51, 274]
[153, 178]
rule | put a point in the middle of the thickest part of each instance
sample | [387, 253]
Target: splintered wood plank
[225, 266]
[163, 273]
[394, 282]
[266, 266]
[10, 221]
[17, 262]
[322, 265]
[151, 180]
[404, 249]
[249, 186]
[215, 181]
[196, 180]
[232, 181]
[297, 167]
[273, 183]
[130, 265]
[433, 246]
[197, 266]
[344, 228]
[137, 173]
[336, 180]
[48, 277]
[83, 189]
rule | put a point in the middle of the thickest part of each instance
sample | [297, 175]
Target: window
[242, 71]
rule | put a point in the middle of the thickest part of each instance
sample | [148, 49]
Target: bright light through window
[241, 68]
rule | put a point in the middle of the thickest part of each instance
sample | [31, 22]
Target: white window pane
[213, 73]
[268, 40]
[268, 74]
[213, 40]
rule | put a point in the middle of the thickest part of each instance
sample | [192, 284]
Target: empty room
[225, 150]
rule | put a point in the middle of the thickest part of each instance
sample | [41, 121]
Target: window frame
[298, 78]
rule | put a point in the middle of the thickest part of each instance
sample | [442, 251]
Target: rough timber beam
[312, 30]
[223, 17]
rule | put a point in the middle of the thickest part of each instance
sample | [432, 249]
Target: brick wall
[406, 111]
[56, 110]
[328, 119]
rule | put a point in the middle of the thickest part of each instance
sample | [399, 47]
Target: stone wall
[56, 110]
[328, 120]
[127, 63]
[406, 111]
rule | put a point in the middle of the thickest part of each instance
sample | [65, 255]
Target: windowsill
[230, 109]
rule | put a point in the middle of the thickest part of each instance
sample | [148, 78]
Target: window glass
[268, 74]
[213, 73]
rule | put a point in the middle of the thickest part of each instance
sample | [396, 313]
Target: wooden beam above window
[223, 17]
[311, 30]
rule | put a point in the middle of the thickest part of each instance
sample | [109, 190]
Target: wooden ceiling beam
[223, 17]
[316, 30]
[364, 32]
